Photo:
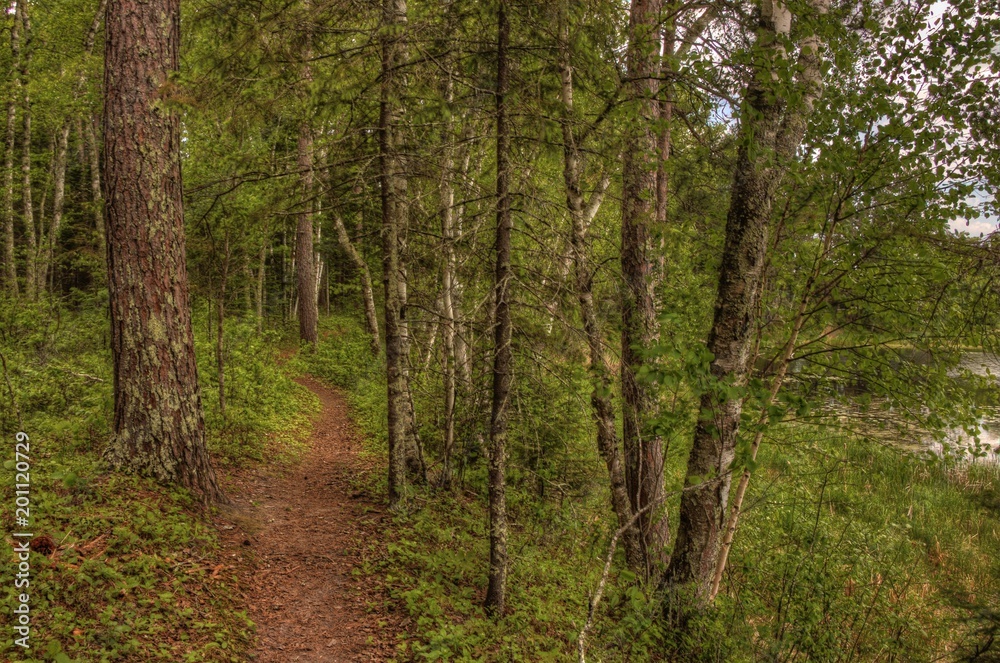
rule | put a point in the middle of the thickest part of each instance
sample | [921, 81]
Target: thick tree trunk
[643, 450]
[770, 133]
[8, 165]
[393, 193]
[308, 309]
[307, 306]
[581, 215]
[503, 360]
[367, 290]
[159, 427]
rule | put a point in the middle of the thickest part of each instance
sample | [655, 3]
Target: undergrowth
[136, 575]
[848, 550]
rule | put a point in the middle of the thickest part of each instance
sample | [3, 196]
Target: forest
[645, 330]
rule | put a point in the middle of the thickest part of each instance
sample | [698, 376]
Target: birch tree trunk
[159, 427]
[46, 264]
[581, 215]
[94, 155]
[308, 310]
[770, 133]
[89, 141]
[8, 164]
[30, 232]
[446, 194]
[367, 290]
[220, 348]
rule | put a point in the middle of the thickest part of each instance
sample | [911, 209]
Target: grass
[138, 574]
[849, 550]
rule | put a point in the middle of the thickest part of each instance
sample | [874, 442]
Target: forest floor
[298, 533]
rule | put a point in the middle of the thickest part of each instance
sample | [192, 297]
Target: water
[982, 446]
[960, 442]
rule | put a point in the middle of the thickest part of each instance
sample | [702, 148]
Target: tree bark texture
[770, 133]
[446, 194]
[581, 215]
[305, 275]
[159, 428]
[305, 271]
[503, 359]
[643, 451]
[393, 207]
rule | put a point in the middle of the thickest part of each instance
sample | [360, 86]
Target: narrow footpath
[298, 535]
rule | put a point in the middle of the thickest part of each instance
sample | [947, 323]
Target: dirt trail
[298, 536]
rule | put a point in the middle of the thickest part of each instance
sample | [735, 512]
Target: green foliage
[137, 574]
[133, 578]
[434, 569]
[266, 412]
[847, 546]
[853, 550]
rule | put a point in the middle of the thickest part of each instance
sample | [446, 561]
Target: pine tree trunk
[393, 192]
[643, 450]
[308, 309]
[770, 133]
[503, 359]
[159, 428]
[305, 268]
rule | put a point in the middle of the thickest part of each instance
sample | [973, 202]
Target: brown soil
[297, 536]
